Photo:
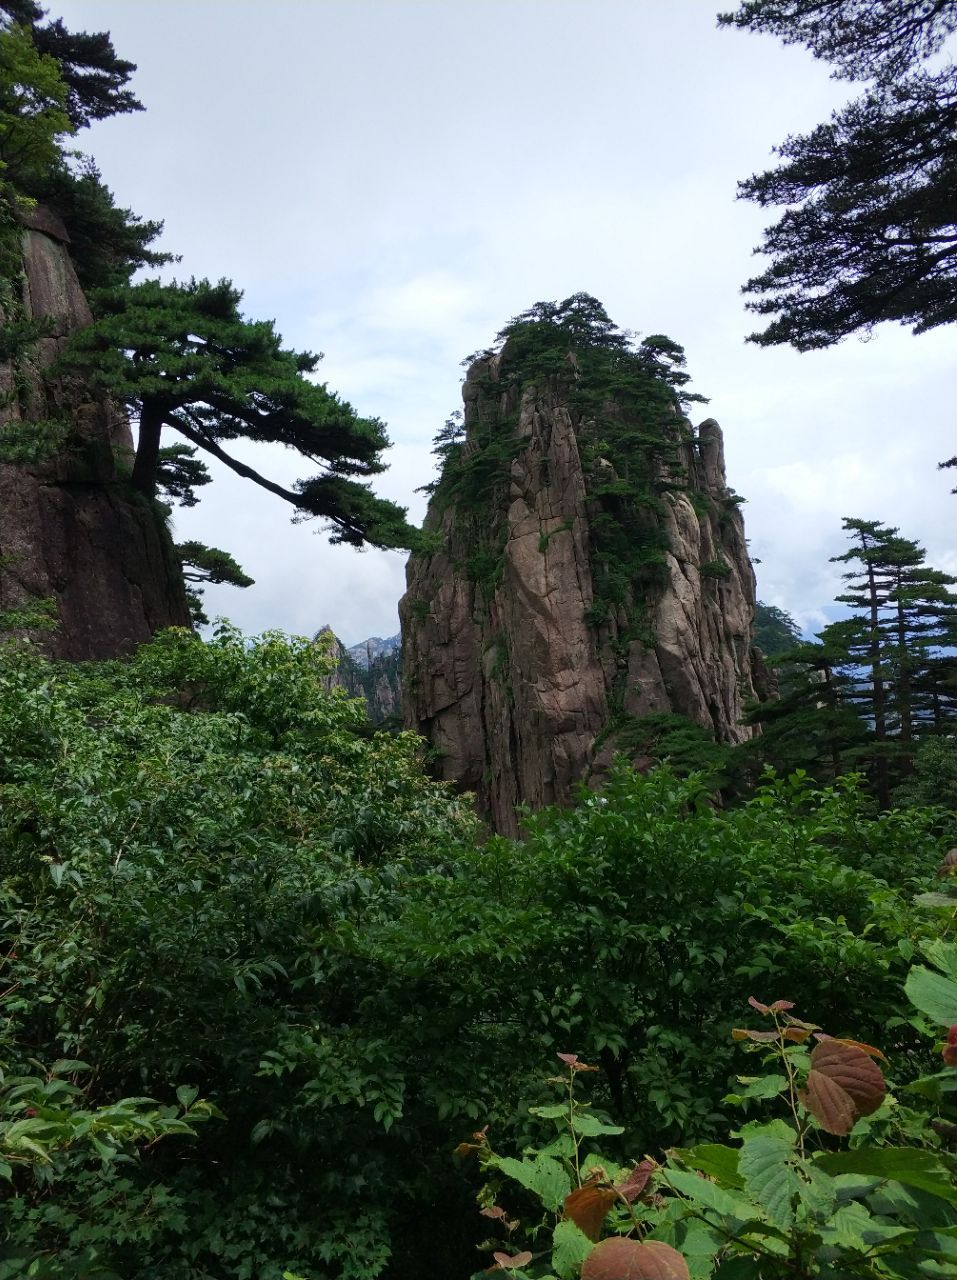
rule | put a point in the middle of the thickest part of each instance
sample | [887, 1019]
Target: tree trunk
[148, 449]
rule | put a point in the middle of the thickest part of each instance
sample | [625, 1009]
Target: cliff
[586, 570]
[71, 530]
[369, 670]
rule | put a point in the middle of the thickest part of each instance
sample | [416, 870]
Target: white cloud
[392, 180]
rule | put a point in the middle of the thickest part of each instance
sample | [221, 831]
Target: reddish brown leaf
[949, 1051]
[493, 1211]
[850, 1066]
[513, 1263]
[756, 1004]
[637, 1180]
[949, 865]
[587, 1207]
[796, 1035]
[569, 1059]
[858, 1044]
[761, 1037]
[621, 1259]
[798, 1022]
[780, 1005]
[465, 1149]
[833, 1109]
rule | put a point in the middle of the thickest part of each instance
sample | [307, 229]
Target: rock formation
[587, 569]
[71, 529]
[369, 670]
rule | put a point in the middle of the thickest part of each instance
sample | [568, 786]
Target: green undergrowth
[219, 887]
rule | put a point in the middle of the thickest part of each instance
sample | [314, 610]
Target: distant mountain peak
[366, 651]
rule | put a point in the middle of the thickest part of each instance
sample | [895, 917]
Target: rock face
[602, 578]
[369, 670]
[71, 530]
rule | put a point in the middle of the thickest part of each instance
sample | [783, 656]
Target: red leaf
[798, 1022]
[858, 1044]
[569, 1059]
[850, 1066]
[780, 1005]
[495, 1211]
[588, 1206]
[842, 1085]
[756, 1004]
[514, 1262]
[621, 1259]
[949, 865]
[830, 1105]
[637, 1180]
[949, 1051]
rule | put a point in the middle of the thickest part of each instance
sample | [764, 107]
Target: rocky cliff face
[70, 529]
[588, 570]
[369, 670]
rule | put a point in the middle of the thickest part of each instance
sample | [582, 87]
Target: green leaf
[550, 1113]
[711, 1158]
[936, 900]
[941, 954]
[591, 1127]
[543, 1176]
[761, 1087]
[932, 994]
[846, 1228]
[706, 1193]
[766, 1164]
[921, 1169]
[186, 1095]
[697, 1243]
[64, 1066]
[570, 1248]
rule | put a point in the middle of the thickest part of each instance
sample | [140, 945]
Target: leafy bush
[213, 877]
[784, 1202]
[187, 844]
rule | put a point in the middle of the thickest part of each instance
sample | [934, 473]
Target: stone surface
[368, 670]
[70, 529]
[516, 690]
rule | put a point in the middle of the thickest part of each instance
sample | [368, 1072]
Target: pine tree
[863, 636]
[812, 724]
[870, 229]
[877, 682]
[181, 357]
[203, 564]
[774, 630]
[54, 82]
[94, 77]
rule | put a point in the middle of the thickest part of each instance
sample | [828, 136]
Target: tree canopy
[870, 228]
[54, 82]
[878, 683]
[182, 357]
[95, 78]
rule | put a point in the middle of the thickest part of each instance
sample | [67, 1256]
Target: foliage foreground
[260, 974]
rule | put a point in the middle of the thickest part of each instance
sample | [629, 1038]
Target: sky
[392, 180]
